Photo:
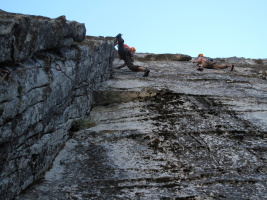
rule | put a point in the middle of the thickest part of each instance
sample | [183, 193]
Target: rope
[56, 67]
[35, 60]
[6, 72]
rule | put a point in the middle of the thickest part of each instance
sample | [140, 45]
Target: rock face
[162, 57]
[143, 57]
[177, 134]
[48, 72]
[23, 35]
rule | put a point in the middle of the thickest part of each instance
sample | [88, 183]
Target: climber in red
[131, 51]
[126, 53]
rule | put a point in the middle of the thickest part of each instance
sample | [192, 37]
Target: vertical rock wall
[48, 71]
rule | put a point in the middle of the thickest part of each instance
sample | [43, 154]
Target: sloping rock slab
[194, 135]
[163, 57]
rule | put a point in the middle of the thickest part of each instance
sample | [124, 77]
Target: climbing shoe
[200, 69]
[146, 72]
[232, 68]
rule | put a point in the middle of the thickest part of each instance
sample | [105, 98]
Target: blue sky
[216, 28]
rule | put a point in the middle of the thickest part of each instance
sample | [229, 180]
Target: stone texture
[177, 134]
[162, 57]
[49, 87]
[23, 35]
[143, 57]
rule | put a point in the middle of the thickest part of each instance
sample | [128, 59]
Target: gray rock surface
[23, 35]
[46, 84]
[177, 134]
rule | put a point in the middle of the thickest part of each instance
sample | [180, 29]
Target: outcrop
[48, 72]
[24, 35]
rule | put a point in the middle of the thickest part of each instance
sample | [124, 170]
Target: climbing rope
[6, 72]
[57, 67]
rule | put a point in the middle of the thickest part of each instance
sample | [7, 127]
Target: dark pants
[121, 49]
[126, 56]
[208, 64]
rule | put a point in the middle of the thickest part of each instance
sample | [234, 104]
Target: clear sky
[216, 28]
